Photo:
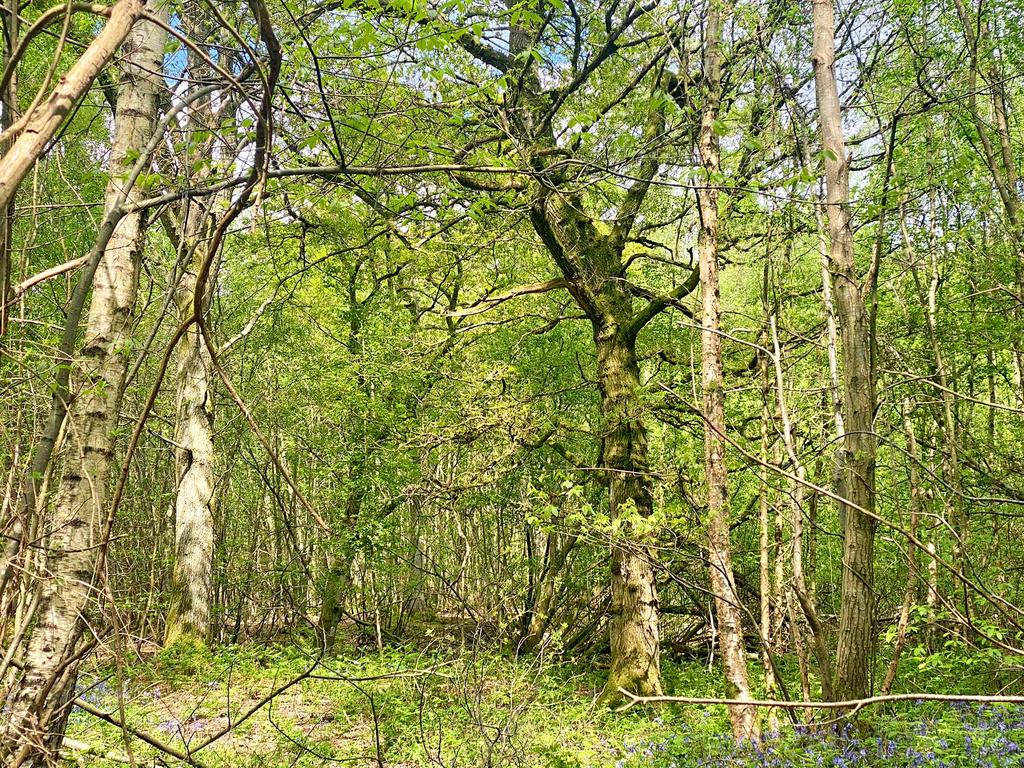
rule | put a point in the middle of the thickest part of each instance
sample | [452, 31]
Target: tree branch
[491, 302]
[658, 303]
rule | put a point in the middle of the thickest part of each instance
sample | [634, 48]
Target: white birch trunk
[38, 706]
[188, 617]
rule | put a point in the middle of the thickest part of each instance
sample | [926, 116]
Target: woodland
[517, 383]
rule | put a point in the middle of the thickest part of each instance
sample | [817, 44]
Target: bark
[910, 591]
[337, 584]
[590, 256]
[592, 263]
[38, 706]
[31, 496]
[803, 593]
[190, 609]
[338, 579]
[856, 616]
[831, 346]
[188, 617]
[765, 554]
[549, 587]
[932, 600]
[37, 130]
[801, 656]
[635, 664]
[953, 501]
[727, 602]
[9, 105]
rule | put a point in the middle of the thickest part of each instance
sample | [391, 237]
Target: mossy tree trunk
[587, 244]
[635, 641]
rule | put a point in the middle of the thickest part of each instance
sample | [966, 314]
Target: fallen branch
[141, 735]
[84, 748]
[853, 705]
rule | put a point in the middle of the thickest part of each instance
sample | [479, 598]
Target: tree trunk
[727, 603]
[765, 557]
[803, 594]
[35, 132]
[338, 579]
[188, 617]
[910, 591]
[953, 501]
[39, 705]
[549, 586]
[189, 613]
[856, 617]
[635, 660]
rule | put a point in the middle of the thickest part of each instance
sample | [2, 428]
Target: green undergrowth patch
[408, 707]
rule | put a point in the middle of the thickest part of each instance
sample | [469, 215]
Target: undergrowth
[405, 707]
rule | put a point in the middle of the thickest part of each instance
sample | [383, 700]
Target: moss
[187, 657]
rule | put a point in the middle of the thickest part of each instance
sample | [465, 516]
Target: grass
[404, 708]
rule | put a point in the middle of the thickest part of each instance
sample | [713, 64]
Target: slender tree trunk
[338, 579]
[910, 591]
[856, 617]
[765, 554]
[727, 602]
[9, 105]
[953, 502]
[188, 617]
[832, 349]
[549, 586]
[932, 598]
[39, 706]
[800, 588]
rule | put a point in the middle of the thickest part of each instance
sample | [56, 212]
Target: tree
[78, 529]
[856, 619]
[723, 581]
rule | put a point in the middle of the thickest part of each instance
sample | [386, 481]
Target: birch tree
[77, 530]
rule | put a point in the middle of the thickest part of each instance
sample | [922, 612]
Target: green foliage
[478, 708]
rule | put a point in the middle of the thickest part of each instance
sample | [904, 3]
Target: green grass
[416, 708]
[445, 708]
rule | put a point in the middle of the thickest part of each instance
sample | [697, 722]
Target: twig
[142, 735]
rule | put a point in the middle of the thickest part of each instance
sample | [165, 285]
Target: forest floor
[404, 708]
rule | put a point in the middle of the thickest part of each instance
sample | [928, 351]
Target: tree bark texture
[634, 606]
[188, 616]
[723, 584]
[38, 706]
[44, 121]
[856, 617]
